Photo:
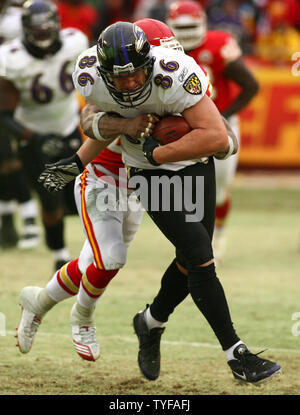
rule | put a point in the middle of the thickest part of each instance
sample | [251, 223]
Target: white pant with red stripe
[109, 227]
[226, 169]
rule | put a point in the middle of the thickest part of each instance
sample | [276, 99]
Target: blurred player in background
[13, 183]
[38, 106]
[219, 54]
[108, 233]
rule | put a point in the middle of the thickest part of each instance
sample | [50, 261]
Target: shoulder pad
[181, 82]
[74, 39]
[14, 58]
[85, 73]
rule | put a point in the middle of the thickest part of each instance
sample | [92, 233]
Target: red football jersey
[219, 48]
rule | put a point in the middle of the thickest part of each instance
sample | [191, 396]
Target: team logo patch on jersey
[193, 85]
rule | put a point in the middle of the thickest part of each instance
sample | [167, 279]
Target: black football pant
[34, 163]
[192, 241]
[13, 182]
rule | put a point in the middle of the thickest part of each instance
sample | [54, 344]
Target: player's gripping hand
[57, 175]
[149, 146]
[50, 144]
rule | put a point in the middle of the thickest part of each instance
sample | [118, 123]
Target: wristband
[231, 148]
[95, 126]
[77, 160]
[149, 156]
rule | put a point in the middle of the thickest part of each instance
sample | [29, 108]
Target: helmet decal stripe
[125, 54]
[115, 47]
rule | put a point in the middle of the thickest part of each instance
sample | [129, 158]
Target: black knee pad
[190, 258]
[197, 275]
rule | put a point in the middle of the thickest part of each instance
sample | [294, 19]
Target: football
[170, 129]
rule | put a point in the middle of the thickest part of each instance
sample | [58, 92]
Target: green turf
[260, 275]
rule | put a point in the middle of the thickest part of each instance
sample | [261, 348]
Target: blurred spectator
[80, 15]
[226, 16]
[143, 9]
[279, 37]
[111, 11]
[279, 45]
[266, 27]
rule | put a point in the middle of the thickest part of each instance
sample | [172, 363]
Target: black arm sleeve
[241, 75]
[10, 125]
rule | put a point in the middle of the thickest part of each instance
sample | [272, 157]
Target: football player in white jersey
[39, 106]
[130, 84]
[13, 184]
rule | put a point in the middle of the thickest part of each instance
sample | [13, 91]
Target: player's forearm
[12, 126]
[90, 149]
[241, 101]
[242, 76]
[196, 144]
[109, 126]
[232, 140]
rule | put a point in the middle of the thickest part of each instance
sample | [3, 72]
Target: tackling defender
[125, 76]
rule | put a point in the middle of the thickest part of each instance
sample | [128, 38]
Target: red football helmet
[187, 19]
[158, 33]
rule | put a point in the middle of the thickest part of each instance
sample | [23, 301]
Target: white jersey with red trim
[177, 84]
[109, 161]
[48, 101]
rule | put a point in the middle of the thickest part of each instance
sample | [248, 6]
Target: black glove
[51, 144]
[57, 175]
[148, 147]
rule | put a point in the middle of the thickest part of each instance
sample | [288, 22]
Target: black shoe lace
[248, 357]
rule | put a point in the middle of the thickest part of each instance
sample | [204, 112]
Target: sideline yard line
[133, 339]
[196, 344]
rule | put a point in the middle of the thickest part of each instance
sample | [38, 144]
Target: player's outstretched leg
[35, 302]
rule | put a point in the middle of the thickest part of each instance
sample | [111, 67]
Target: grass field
[260, 275]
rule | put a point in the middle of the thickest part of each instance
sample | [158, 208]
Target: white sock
[229, 352]
[86, 301]
[7, 207]
[55, 291]
[82, 316]
[28, 209]
[61, 255]
[45, 302]
[151, 322]
[83, 311]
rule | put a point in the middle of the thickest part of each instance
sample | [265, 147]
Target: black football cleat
[8, 234]
[249, 368]
[149, 346]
